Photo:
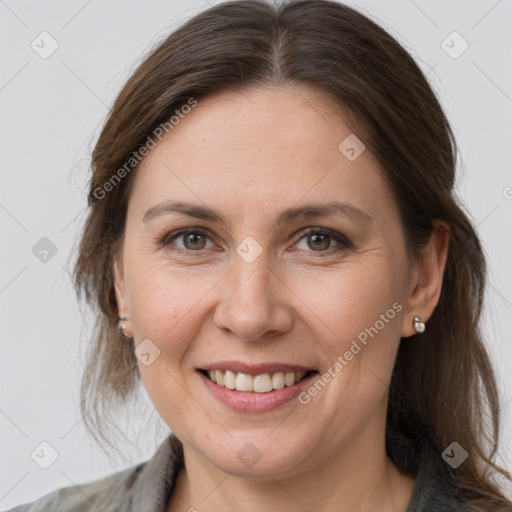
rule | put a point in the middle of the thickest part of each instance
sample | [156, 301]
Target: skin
[251, 155]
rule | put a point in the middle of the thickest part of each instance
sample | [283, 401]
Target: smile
[255, 388]
[262, 383]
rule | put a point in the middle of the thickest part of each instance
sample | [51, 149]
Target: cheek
[355, 302]
[361, 305]
[167, 304]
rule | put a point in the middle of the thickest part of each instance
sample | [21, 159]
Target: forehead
[261, 146]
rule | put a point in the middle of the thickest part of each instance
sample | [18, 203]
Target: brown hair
[443, 385]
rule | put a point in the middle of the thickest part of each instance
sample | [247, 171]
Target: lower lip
[244, 401]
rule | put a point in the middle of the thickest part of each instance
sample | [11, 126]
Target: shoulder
[145, 486]
[95, 495]
[435, 488]
[435, 492]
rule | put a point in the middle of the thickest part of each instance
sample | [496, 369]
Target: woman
[276, 250]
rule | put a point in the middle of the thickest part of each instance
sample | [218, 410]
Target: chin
[257, 456]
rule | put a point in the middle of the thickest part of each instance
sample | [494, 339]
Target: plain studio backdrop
[54, 96]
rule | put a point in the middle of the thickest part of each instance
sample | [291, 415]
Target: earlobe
[122, 303]
[427, 282]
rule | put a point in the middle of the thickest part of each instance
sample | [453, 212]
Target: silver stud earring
[123, 327]
[419, 325]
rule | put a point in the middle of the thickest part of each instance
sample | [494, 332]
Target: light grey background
[51, 113]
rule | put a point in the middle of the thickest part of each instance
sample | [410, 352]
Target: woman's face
[262, 293]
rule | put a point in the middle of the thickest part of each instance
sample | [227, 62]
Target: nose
[253, 302]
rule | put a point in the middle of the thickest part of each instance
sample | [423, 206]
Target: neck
[359, 477]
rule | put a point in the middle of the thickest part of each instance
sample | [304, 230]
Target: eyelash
[344, 243]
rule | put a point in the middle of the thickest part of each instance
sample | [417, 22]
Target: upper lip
[255, 369]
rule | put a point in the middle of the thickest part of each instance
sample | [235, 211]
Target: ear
[427, 278]
[120, 288]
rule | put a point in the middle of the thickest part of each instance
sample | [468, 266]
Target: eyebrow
[289, 215]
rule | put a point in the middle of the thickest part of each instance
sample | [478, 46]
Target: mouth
[266, 382]
[255, 388]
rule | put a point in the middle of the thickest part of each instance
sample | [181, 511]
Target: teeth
[289, 379]
[243, 382]
[262, 383]
[219, 377]
[259, 383]
[229, 380]
[278, 380]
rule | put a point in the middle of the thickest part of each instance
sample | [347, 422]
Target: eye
[320, 240]
[193, 240]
